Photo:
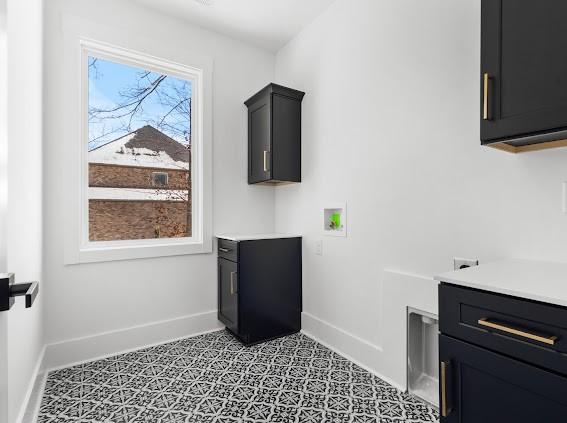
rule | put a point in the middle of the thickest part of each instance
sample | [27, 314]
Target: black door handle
[29, 289]
[9, 289]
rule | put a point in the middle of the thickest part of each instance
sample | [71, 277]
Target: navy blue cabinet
[523, 74]
[260, 288]
[274, 135]
[502, 359]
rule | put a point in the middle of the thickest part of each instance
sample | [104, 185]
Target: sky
[109, 86]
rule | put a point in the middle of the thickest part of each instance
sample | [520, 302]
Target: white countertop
[241, 237]
[534, 280]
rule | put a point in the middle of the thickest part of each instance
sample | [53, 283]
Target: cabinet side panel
[286, 133]
[270, 287]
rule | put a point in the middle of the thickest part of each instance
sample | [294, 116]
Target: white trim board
[80, 350]
[29, 396]
[32, 410]
[30, 391]
[340, 338]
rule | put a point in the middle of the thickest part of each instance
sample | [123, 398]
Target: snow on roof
[97, 193]
[145, 147]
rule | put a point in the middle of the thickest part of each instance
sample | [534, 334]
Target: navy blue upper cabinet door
[523, 76]
[259, 145]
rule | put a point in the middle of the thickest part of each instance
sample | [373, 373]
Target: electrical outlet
[319, 248]
[463, 263]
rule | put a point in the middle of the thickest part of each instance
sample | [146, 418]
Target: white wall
[390, 125]
[3, 208]
[24, 219]
[90, 299]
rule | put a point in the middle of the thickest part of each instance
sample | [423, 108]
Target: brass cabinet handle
[266, 168]
[486, 79]
[224, 250]
[549, 340]
[445, 409]
[232, 277]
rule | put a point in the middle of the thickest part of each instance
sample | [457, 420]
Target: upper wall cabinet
[274, 135]
[524, 74]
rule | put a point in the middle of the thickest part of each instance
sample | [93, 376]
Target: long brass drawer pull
[486, 82]
[445, 409]
[232, 278]
[549, 340]
[266, 167]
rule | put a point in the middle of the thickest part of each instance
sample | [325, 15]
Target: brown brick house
[139, 188]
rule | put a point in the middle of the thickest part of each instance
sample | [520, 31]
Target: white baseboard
[29, 399]
[359, 351]
[79, 350]
[34, 403]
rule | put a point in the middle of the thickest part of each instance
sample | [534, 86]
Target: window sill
[115, 251]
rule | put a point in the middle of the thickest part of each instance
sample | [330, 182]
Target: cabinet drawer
[527, 330]
[228, 249]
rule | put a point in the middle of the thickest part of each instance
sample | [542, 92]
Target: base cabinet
[502, 358]
[481, 386]
[259, 288]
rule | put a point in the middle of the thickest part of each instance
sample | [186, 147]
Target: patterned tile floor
[213, 378]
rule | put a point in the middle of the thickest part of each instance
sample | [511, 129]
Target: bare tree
[173, 94]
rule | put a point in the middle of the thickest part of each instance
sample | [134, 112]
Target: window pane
[139, 145]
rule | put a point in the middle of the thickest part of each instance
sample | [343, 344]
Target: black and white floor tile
[213, 378]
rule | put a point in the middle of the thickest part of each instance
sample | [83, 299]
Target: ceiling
[266, 23]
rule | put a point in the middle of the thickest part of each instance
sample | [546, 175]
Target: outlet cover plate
[463, 263]
[319, 248]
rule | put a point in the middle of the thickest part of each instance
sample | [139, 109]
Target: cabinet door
[477, 385]
[228, 294]
[523, 48]
[259, 141]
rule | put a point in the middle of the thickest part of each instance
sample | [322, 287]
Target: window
[160, 179]
[145, 165]
[139, 120]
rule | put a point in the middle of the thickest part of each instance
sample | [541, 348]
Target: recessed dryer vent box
[423, 356]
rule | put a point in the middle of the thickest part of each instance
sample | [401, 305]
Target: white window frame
[79, 249]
